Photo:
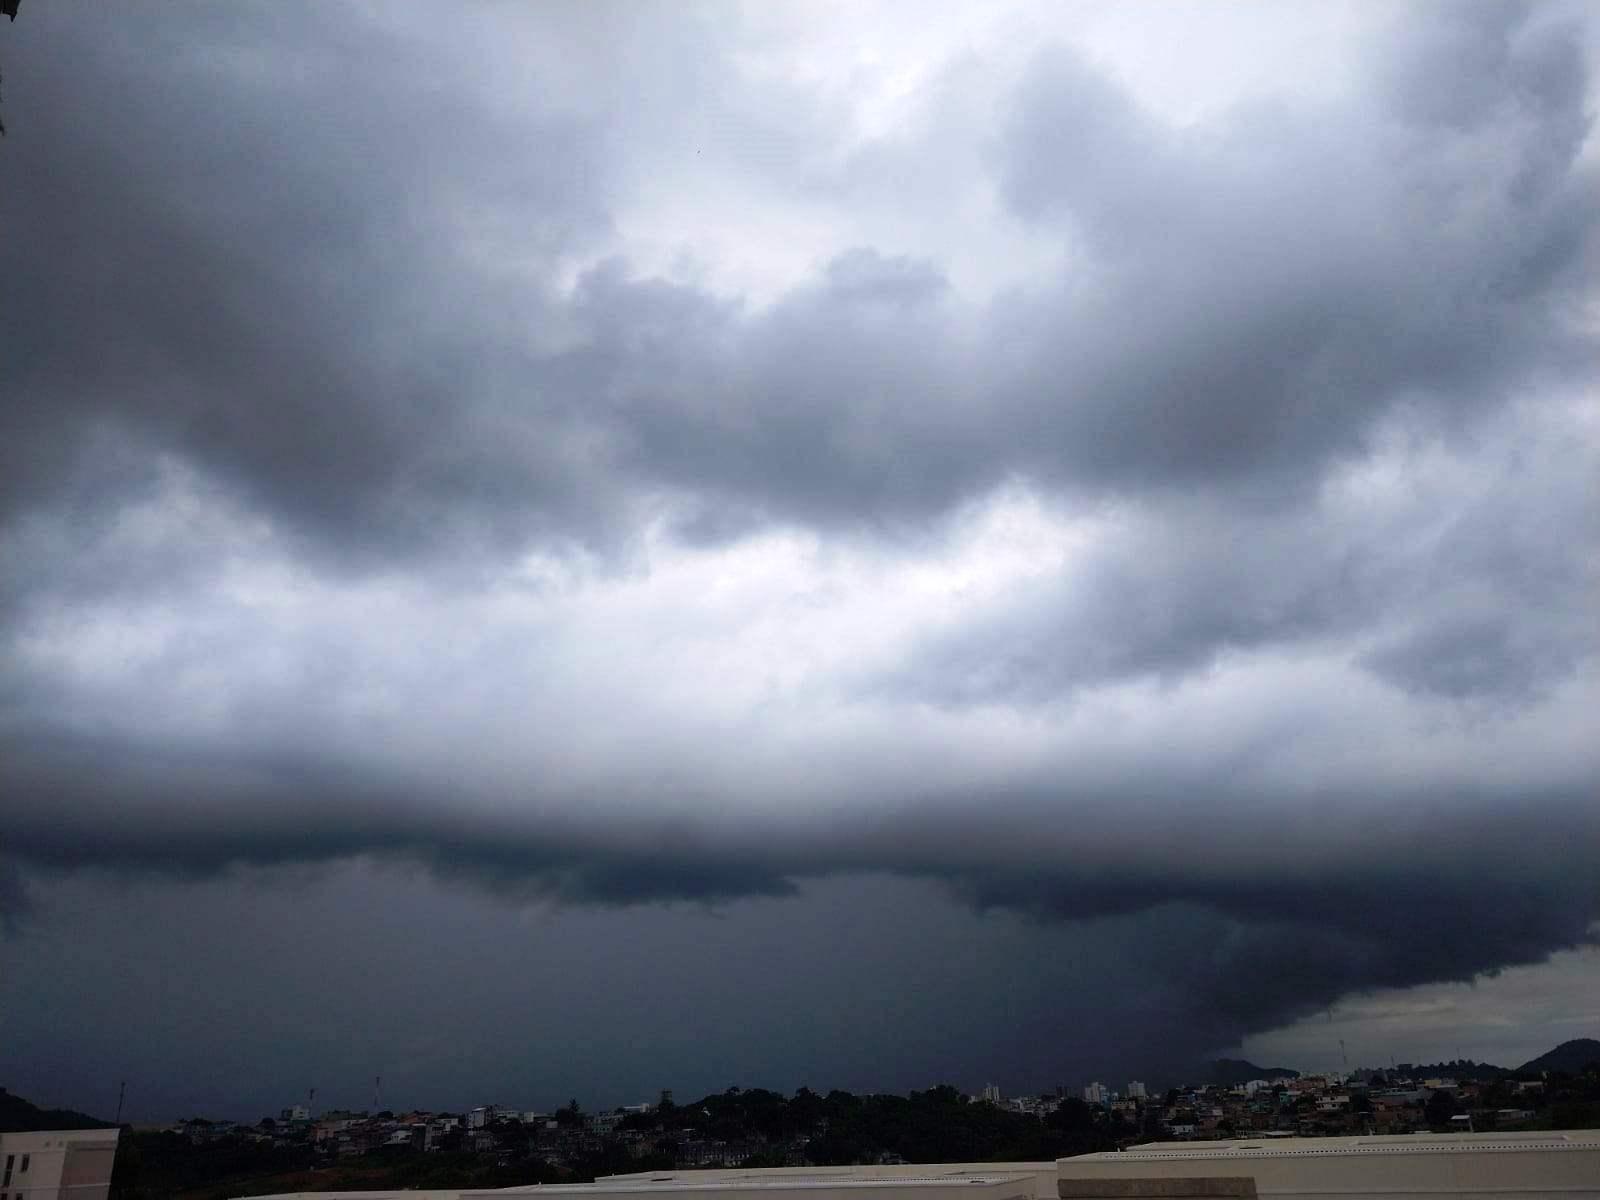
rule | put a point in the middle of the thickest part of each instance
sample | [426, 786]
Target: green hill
[1571, 1057]
[18, 1116]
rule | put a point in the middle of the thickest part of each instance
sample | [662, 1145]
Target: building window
[25, 1159]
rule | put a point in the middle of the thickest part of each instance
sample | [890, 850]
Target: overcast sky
[572, 549]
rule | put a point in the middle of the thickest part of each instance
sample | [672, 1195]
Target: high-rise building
[1136, 1090]
[1095, 1093]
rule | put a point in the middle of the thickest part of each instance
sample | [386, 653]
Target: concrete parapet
[1191, 1188]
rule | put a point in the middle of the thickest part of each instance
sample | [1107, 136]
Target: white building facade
[57, 1164]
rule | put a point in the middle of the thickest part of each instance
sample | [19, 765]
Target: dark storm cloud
[293, 294]
[841, 406]
[891, 986]
[1244, 299]
[1256, 918]
[241, 282]
[86, 803]
[1257, 948]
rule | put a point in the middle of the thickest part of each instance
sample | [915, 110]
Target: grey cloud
[842, 406]
[1162, 600]
[15, 903]
[863, 275]
[1467, 582]
[1079, 146]
[1462, 71]
[1468, 658]
[1280, 284]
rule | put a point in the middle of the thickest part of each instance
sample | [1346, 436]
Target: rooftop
[1404, 1143]
[998, 1183]
[889, 1172]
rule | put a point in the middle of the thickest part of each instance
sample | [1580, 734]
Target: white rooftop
[756, 1181]
[890, 1172]
[998, 1184]
[1398, 1143]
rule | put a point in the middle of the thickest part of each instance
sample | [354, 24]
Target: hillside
[18, 1116]
[1571, 1057]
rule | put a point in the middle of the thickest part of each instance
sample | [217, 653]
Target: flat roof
[892, 1172]
[1397, 1143]
[754, 1182]
[62, 1137]
[989, 1181]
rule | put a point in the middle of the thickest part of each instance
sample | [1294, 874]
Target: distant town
[300, 1148]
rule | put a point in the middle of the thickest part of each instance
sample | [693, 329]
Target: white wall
[63, 1164]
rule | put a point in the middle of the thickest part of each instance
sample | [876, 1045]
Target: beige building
[1483, 1166]
[1515, 1166]
[996, 1183]
[57, 1164]
[1040, 1176]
